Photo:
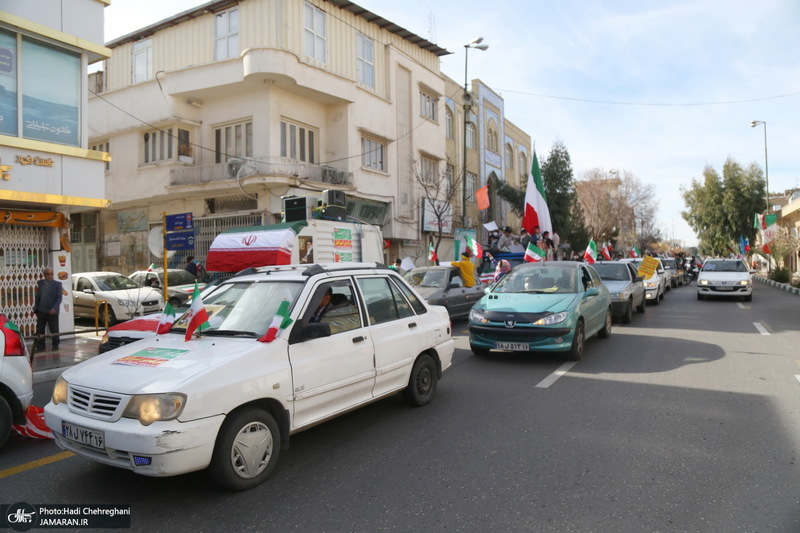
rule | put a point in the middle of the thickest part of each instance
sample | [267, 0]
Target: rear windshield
[613, 272]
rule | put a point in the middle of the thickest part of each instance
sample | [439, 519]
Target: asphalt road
[685, 420]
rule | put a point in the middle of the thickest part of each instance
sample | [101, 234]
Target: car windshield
[426, 278]
[177, 277]
[243, 308]
[613, 271]
[669, 264]
[115, 283]
[724, 266]
[539, 280]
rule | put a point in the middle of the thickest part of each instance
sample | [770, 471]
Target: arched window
[471, 137]
[491, 137]
[523, 165]
[448, 123]
[508, 156]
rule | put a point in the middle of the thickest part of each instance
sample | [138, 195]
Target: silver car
[625, 287]
[442, 285]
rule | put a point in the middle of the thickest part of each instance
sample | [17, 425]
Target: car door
[83, 302]
[638, 286]
[594, 308]
[460, 298]
[398, 334]
[333, 373]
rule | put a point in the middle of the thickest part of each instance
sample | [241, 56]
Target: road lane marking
[34, 464]
[741, 305]
[552, 378]
[761, 329]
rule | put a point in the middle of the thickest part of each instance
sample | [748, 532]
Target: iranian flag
[636, 252]
[473, 245]
[590, 255]
[280, 322]
[534, 254]
[165, 319]
[536, 211]
[152, 267]
[13, 338]
[198, 317]
[432, 257]
[606, 251]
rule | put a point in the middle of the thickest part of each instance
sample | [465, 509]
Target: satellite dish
[155, 241]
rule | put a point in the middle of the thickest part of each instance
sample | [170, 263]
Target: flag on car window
[534, 254]
[590, 255]
[198, 318]
[280, 322]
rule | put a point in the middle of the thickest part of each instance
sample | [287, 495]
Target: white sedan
[94, 292]
[726, 278]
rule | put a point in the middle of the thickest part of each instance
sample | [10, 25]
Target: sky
[657, 88]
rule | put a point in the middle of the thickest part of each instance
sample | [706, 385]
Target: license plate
[724, 288]
[89, 437]
[150, 308]
[514, 346]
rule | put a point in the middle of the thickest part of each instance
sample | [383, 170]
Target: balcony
[280, 167]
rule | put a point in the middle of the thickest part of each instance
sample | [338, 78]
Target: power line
[651, 104]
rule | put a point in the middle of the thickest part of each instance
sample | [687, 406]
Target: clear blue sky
[660, 89]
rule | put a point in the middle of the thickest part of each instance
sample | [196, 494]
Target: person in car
[323, 306]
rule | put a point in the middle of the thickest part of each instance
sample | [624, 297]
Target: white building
[223, 110]
[50, 177]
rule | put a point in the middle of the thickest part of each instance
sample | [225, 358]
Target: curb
[782, 286]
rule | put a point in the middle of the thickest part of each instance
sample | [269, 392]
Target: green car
[551, 306]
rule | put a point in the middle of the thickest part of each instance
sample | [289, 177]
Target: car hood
[161, 363]
[528, 303]
[142, 294]
[724, 276]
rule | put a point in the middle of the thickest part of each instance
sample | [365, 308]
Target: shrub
[781, 275]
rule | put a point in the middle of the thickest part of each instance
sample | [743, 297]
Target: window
[428, 105]
[509, 157]
[429, 170]
[373, 154]
[491, 138]
[471, 136]
[226, 34]
[523, 165]
[298, 142]
[102, 147]
[161, 144]
[384, 301]
[334, 304]
[233, 141]
[448, 123]
[472, 179]
[142, 60]
[365, 61]
[315, 34]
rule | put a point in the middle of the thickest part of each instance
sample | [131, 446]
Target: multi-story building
[51, 182]
[226, 109]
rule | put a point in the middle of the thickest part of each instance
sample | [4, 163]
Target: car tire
[247, 449]
[112, 317]
[748, 298]
[627, 316]
[605, 332]
[422, 382]
[643, 306]
[663, 293]
[6, 419]
[478, 351]
[700, 296]
[657, 299]
[578, 342]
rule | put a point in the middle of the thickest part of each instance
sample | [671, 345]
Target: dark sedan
[442, 285]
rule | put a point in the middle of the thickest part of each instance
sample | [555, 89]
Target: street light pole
[753, 124]
[475, 43]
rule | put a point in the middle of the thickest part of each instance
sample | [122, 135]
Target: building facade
[52, 183]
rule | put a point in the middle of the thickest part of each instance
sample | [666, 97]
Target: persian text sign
[648, 267]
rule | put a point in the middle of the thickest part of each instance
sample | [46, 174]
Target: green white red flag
[280, 322]
[590, 255]
[536, 212]
[606, 251]
[534, 254]
[432, 257]
[166, 319]
[198, 320]
[473, 245]
[14, 344]
[636, 252]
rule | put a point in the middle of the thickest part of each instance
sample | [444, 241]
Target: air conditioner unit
[334, 205]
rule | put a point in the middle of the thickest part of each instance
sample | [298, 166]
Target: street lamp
[753, 124]
[475, 43]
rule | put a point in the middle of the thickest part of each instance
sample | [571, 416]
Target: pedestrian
[46, 307]
[191, 266]
[506, 240]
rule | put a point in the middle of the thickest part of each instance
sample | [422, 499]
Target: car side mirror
[315, 330]
[592, 291]
[637, 279]
[88, 291]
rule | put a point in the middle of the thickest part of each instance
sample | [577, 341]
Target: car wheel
[657, 299]
[112, 317]
[606, 331]
[6, 419]
[478, 351]
[748, 298]
[661, 296]
[578, 343]
[700, 296]
[247, 449]
[627, 316]
[642, 306]
[423, 381]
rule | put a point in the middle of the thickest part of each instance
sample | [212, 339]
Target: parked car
[16, 378]
[551, 306]
[625, 287]
[726, 278]
[675, 269]
[180, 283]
[655, 286]
[286, 347]
[486, 270]
[98, 291]
[442, 285]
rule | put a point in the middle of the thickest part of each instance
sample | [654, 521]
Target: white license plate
[514, 346]
[150, 308]
[89, 437]
[724, 288]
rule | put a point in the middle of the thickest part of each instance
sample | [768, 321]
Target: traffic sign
[179, 222]
[180, 240]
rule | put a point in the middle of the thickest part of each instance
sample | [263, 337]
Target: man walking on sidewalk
[46, 306]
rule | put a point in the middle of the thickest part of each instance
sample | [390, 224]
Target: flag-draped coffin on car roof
[236, 249]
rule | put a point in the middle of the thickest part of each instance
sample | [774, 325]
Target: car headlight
[149, 408]
[744, 282]
[549, 320]
[703, 282]
[125, 303]
[651, 284]
[476, 315]
[60, 390]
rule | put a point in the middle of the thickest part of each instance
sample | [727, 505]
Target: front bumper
[619, 307]
[172, 447]
[725, 290]
[537, 338]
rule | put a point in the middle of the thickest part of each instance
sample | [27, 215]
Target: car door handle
[412, 325]
[359, 339]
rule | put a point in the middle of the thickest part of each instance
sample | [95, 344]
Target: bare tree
[439, 187]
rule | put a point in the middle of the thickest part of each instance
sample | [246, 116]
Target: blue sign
[180, 240]
[180, 222]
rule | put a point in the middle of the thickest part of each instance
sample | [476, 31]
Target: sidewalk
[72, 349]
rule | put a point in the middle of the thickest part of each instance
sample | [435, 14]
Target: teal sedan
[551, 306]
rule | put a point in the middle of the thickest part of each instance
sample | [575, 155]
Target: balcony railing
[282, 167]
